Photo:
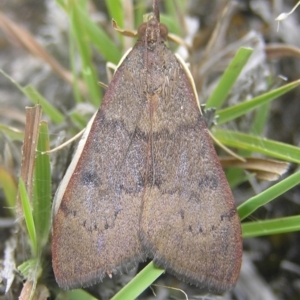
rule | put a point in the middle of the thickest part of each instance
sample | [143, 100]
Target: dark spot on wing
[181, 212]
[199, 228]
[117, 211]
[132, 187]
[209, 182]
[229, 214]
[66, 211]
[90, 178]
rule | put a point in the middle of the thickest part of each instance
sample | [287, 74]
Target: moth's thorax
[152, 32]
[151, 42]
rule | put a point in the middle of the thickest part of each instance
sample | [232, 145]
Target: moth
[146, 182]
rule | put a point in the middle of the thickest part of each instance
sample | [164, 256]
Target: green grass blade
[258, 144]
[12, 133]
[73, 62]
[36, 98]
[80, 34]
[240, 109]
[139, 11]
[10, 189]
[28, 216]
[268, 195]
[73, 58]
[42, 188]
[62, 4]
[268, 227]
[237, 176]
[79, 295]
[78, 119]
[27, 266]
[92, 33]
[260, 119]
[103, 43]
[115, 10]
[229, 77]
[139, 283]
[170, 18]
[31, 269]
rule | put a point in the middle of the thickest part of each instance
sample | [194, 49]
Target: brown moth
[145, 181]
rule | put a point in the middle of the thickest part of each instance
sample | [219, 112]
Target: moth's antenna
[155, 9]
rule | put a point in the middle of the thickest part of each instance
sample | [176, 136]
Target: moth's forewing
[189, 222]
[96, 222]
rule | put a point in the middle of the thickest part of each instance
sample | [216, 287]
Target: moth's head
[152, 31]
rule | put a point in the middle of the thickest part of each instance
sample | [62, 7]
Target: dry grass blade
[172, 288]
[217, 33]
[215, 43]
[103, 85]
[280, 50]
[27, 289]
[265, 169]
[33, 118]
[74, 138]
[226, 149]
[26, 40]
[32, 292]
[14, 115]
